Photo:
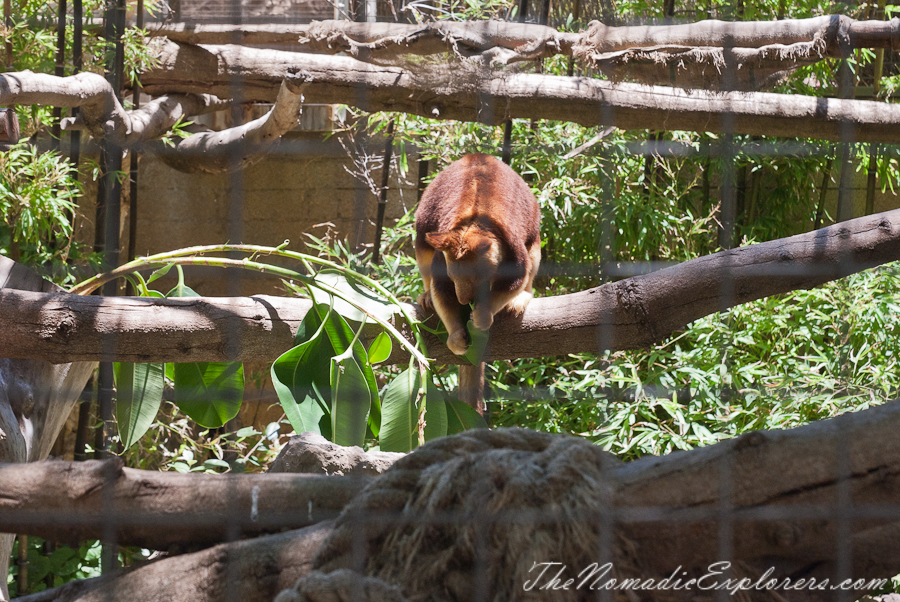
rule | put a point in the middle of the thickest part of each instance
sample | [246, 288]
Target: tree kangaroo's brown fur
[482, 218]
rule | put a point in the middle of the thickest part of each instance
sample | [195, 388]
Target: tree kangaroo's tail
[471, 385]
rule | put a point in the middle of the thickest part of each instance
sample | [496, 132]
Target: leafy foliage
[38, 204]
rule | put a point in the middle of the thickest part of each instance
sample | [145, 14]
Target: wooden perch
[76, 501]
[709, 54]
[101, 112]
[468, 92]
[628, 314]
[241, 146]
[388, 40]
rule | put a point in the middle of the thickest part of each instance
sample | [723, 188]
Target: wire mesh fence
[660, 236]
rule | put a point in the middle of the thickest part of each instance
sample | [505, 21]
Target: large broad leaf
[209, 393]
[139, 391]
[341, 336]
[435, 413]
[351, 399]
[462, 417]
[374, 303]
[400, 414]
[380, 349]
[302, 377]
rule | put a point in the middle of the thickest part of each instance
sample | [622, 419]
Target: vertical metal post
[382, 193]
[7, 19]
[60, 70]
[22, 564]
[135, 160]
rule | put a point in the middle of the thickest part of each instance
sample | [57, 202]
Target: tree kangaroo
[477, 241]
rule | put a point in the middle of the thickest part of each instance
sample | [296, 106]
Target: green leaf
[363, 296]
[462, 417]
[350, 400]
[478, 340]
[380, 349]
[400, 414]
[302, 377]
[160, 273]
[209, 392]
[181, 289]
[139, 391]
[435, 412]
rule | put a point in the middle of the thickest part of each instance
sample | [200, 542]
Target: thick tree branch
[103, 116]
[75, 501]
[101, 112]
[388, 40]
[471, 93]
[241, 146]
[629, 314]
[785, 490]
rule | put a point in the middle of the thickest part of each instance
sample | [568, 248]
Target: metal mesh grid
[734, 190]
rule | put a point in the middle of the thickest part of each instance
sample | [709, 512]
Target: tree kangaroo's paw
[482, 317]
[458, 341]
[519, 303]
[425, 301]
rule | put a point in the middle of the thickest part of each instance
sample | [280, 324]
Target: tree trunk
[35, 398]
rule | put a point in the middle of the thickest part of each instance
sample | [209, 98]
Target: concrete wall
[303, 187]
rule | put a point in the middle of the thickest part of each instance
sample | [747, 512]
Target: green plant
[326, 383]
[38, 204]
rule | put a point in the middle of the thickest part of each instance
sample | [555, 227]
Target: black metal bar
[423, 173]
[382, 193]
[60, 70]
[507, 142]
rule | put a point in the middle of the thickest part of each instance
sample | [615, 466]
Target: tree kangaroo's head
[472, 257]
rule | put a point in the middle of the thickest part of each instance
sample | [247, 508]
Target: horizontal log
[468, 92]
[76, 501]
[628, 314]
[478, 36]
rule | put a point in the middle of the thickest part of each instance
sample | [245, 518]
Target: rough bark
[468, 92]
[388, 40]
[250, 571]
[75, 501]
[104, 117]
[311, 453]
[35, 398]
[628, 314]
